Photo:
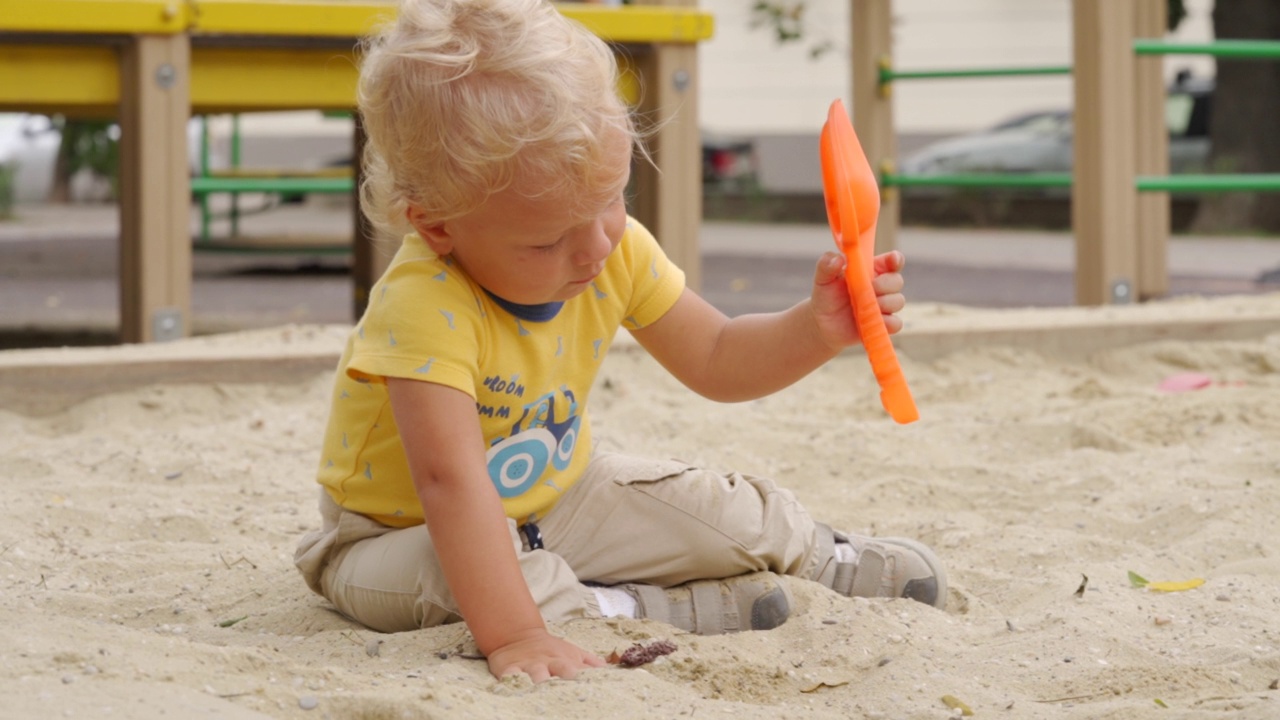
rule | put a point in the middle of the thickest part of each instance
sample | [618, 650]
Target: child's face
[532, 251]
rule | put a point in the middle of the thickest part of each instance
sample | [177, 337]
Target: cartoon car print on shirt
[537, 441]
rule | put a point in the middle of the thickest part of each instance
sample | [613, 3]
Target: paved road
[58, 268]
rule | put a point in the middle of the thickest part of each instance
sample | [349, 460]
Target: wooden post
[872, 42]
[369, 259]
[1104, 199]
[1152, 146]
[155, 189]
[669, 197]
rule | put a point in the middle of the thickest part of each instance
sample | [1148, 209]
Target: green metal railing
[1229, 49]
[1232, 49]
[283, 185]
[1255, 182]
[888, 74]
[1022, 181]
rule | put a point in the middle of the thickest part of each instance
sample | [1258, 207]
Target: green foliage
[786, 19]
[90, 144]
[7, 172]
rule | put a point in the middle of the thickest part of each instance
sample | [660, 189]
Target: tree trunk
[1243, 120]
[60, 192]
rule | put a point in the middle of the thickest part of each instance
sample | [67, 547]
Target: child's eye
[548, 248]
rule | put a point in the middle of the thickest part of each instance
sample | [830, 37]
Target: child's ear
[434, 234]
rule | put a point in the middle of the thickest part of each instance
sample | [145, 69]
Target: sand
[150, 517]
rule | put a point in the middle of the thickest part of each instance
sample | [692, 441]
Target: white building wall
[753, 86]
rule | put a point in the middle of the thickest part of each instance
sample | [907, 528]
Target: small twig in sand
[455, 643]
[1084, 584]
[55, 537]
[241, 559]
[112, 456]
[1073, 697]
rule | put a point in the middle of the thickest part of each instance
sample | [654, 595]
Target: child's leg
[664, 522]
[390, 579]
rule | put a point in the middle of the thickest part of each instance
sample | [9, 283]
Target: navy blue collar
[530, 313]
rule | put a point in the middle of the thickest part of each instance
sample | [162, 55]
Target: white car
[1041, 142]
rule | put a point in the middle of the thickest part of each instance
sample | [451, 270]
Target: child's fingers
[888, 283]
[892, 324]
[537, 672]
[892, 303]
[565, 669]
[830, 268]
[890, 262]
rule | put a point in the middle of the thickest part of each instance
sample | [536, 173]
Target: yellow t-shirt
[427, 320]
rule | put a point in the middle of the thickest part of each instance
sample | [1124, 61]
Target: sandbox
[156, 492]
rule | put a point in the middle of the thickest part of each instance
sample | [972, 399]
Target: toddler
[459, 481]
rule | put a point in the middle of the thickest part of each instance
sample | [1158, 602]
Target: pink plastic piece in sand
[1182, 382]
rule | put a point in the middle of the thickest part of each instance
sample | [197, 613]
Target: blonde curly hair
[460, 99]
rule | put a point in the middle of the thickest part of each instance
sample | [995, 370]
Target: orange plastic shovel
[853, 205]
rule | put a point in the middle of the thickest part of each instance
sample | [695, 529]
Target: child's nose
[594, 245]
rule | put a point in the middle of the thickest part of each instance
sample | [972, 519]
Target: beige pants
[627, 520]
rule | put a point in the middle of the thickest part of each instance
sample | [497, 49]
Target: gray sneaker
[886, 567]
[756, 601]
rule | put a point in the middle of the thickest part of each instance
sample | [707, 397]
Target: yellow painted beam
[293, 18]
[353, 19]
[226, 79]
[301, 79]
[68, 78]
[642, 24]
[85, 80]
[314, 18]
[159, 17]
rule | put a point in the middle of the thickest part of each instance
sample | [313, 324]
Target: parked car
[1041, 142]
[728, 163]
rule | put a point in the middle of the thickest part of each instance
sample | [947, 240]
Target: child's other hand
[831, 306]
[541, 656]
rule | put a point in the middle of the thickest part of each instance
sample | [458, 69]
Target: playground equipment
[274, 184]
[1120, 179]
[153, 63]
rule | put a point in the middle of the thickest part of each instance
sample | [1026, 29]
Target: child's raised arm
[750, 356]
[468, 527]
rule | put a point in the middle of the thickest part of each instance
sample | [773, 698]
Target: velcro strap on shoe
[869, 578]
[709, 611]
[653, 602]
[825, 555]
[843, 580]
